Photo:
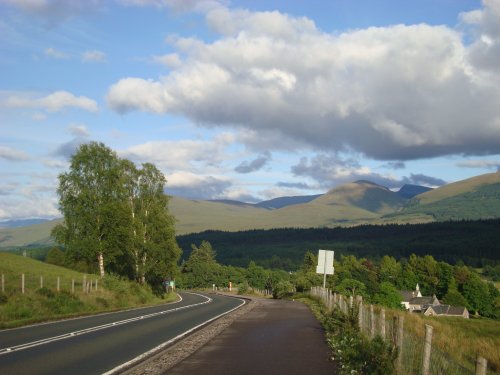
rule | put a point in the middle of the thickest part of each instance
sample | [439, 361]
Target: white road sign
[325, 262]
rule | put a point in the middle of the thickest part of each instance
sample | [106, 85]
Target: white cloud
[28, 207]
[11, 154]
[55, 102]
[39, 116]
[93, 56]
[486, 164]
[196, 186]
[136, 93]
[55, 11]
[177, 5]
[485, 50]
[171, 60]
[331, 170]
[55, 54]
[390, 93]
[181, 155]
[54, 163]
[78, 130]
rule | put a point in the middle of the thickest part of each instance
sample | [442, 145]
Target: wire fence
[416, 354]
[26, 282]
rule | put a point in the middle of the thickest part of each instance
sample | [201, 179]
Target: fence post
[382, 323]
[22, 283]
[84, 284]
[360, 313]
[3, 283]
[397, 337]
[481, 366]
[96, 285]
[58, 283]
[73, 286]
[372, 322]
[41, 281]
[427, 350]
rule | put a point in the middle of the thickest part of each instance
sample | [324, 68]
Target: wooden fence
[28, 282]
[416, 355]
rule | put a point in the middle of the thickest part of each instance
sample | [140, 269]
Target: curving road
[101, 343]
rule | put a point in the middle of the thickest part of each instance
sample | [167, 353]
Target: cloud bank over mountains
[390, 93]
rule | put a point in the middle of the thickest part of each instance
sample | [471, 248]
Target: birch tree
[156, 249]
[96, 226]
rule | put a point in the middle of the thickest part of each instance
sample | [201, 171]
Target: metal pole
[324, 272]
[22, 283]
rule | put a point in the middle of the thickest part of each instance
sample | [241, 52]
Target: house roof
[407, 295]
[424, 301]
[448, 310]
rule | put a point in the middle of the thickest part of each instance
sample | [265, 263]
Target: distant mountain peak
[367, 182]
[409, 191]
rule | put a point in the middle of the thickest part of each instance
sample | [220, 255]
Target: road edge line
[158, 348]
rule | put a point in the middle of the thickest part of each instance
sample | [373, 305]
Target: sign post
[325, 264]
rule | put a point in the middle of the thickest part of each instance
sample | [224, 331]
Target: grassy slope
[471, 199]
[458, 188]
[18, 309]
[347, 205]
[23, 236]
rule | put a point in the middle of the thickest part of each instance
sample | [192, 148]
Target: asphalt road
[97, 344]
[276, 337]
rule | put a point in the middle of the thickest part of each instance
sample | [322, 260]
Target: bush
[282, 288]
[3, 298]
[46, 292]
[243, 288]
[354, 352]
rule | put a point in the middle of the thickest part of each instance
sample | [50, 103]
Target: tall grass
[462, 340]
[46, 303]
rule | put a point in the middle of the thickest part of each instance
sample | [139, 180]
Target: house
[408, 295]
[413, 301]
[419, 304]
[446, 310]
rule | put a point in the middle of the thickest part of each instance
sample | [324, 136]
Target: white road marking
[98, 328]
[156, 349]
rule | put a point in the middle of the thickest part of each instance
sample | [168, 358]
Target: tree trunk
[143, 278]
[100, 259]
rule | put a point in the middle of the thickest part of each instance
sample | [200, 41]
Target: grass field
[41, 302]
[460, 339]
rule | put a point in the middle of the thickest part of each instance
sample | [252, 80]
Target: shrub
[282, 288]
[243, 288]
[3, 298]
[46, 292]
[354, 352]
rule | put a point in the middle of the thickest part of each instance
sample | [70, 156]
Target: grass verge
[42, 301]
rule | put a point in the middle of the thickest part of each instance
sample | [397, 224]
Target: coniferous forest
[475, 243]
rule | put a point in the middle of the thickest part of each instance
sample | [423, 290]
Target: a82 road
[97, 344]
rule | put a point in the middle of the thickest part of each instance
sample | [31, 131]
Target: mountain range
[356, 203]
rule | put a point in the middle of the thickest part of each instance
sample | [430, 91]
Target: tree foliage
[116, 216]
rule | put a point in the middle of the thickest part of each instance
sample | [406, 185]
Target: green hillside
[40, 304]
[472, 199]
[37, 234]
[350, 204]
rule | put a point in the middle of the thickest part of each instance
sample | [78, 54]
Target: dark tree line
[476, 243]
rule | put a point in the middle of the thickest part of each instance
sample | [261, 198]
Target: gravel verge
[160, 363]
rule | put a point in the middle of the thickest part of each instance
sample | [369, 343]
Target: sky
[248, 100]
